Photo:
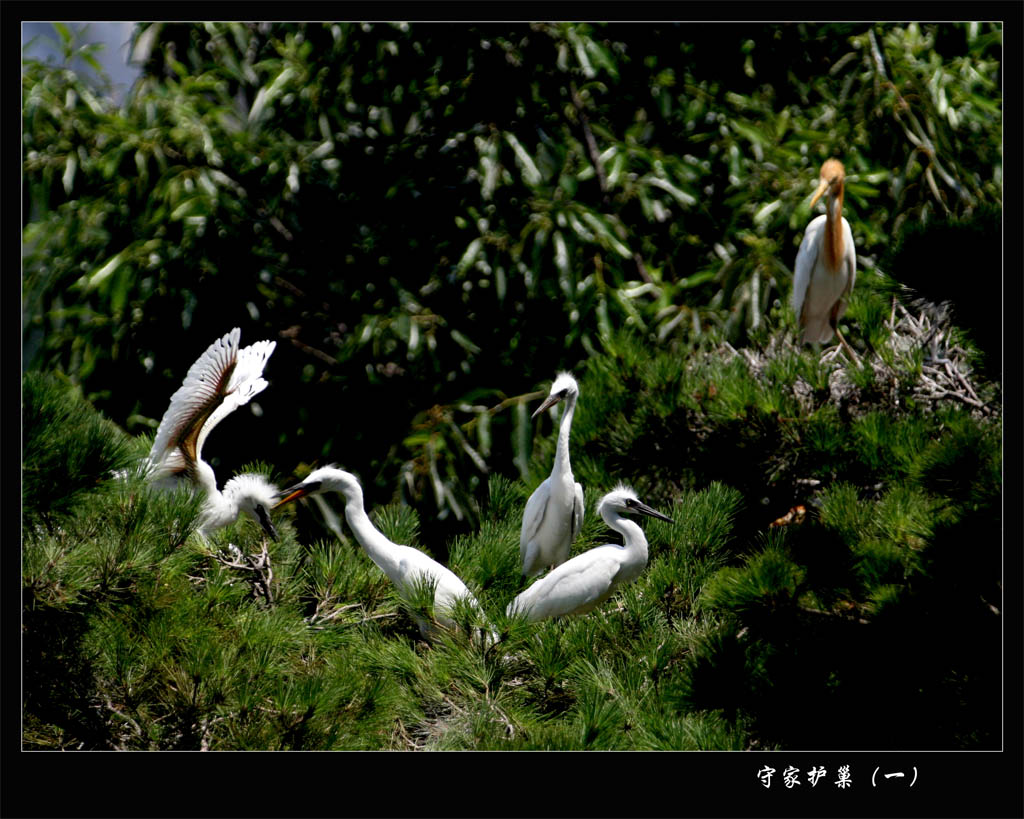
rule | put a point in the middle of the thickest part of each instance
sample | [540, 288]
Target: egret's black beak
[644, 509]
[264, 518]
[300, 490]
[550, 401]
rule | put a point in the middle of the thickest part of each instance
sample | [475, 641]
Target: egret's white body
[590, 578]
[554, 513]
[826, 263]
[219, 382]
[405, 566]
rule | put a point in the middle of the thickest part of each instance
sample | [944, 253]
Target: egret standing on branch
[590, 578]
[405, 566]
[554, 512]
[221, 380]
[826, 264]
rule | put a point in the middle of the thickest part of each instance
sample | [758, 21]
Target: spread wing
[806, 257]
[195, 400]
[246, 381]
[577, 512]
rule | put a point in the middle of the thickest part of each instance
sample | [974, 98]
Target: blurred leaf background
[432, 219]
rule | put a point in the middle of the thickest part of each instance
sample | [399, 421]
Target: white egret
[221, 380]
[826, 263]
[405, 566]
[554, 513]
[590, 578]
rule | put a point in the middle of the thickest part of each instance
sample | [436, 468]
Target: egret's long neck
[377, 547]
[207, 481]
[633, 537]
[562, 450]
[218, 509]
[834, 228]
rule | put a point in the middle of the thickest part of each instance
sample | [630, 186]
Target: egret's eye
[563, 393]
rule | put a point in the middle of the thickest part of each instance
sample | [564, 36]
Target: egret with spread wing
[221, 380]
[405, 566]
[554, 513]
[590, 578]
[826, 263]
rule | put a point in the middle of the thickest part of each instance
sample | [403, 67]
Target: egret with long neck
[826, 263]
[590, 578]
[405, 566]
[554, 513]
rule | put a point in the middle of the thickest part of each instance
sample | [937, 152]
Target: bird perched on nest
[554, 513]
[590, 578]
[220, 381]
[826, 263]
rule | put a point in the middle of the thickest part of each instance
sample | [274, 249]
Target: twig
[641, 268]
[126, 718]
[954, 372]
[935, 396]
[261, 574]
[510, 729]
[306, 348]
[515, 399]
[383, 616]
[588, 137]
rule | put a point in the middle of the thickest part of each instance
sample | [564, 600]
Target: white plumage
[590, 578]
[219, 382]
[554, 513]
[826, 263]
[405, 566]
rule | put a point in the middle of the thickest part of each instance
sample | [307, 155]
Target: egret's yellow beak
[822, 187]
[300, 490]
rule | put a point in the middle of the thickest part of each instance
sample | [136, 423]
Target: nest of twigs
[921, 359]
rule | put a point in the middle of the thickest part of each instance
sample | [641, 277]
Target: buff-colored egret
[590, 578]
[554, 513]
[405, 566]
[223, 379]
[826, 264]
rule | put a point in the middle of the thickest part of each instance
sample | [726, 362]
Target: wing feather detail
[806, 257]
[533, 515]
[221, 380]
[577, 512]
[572, 588]
[246, 381]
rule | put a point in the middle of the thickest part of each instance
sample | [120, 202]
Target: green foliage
[732, 618]
[428, 253]
[68, 451]
[362, 193]
[768, 580]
